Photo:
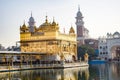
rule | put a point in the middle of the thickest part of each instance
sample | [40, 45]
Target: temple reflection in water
[108, 71]
[94, 72]
[48, 74]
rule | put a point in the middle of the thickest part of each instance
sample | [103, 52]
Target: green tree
[85, 49]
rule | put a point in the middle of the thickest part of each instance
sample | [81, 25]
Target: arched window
[100, 52]
[100, 47]
[106, 52]
[106, 47]
[103, 52]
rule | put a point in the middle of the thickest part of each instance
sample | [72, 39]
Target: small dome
[46, 23]
[71, 30]
[31, 19]
[116, 34]
[79, 13]
[54, 23]
[23, 27]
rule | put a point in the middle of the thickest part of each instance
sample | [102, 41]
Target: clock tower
[79, 23]
[82, 32]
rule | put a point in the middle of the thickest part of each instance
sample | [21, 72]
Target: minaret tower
[31, 23]
[80, 27]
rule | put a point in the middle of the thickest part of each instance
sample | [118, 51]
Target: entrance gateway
[109, 47]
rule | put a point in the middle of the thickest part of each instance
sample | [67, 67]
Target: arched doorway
[115, 52]
[73, 58]
[118, 52]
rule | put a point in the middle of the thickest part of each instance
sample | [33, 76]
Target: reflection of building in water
[99, 72]
[47, 39]
[83, 74]
[74, 73]
[50, 74]
[114, 71]
[105, 72]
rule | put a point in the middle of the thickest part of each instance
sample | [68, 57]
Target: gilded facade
[47, 39]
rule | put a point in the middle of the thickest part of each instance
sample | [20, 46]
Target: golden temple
[49, 40]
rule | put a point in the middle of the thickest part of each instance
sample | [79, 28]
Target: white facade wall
[107, 45]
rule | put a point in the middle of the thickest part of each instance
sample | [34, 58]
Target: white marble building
[109, 46]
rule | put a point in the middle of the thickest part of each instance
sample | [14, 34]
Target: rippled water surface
[94, 72]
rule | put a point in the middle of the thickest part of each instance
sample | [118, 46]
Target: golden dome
[46, 23]
[47, 26]
[24, 27]
[54, 23]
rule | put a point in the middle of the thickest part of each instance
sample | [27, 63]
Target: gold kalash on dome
[47, 39]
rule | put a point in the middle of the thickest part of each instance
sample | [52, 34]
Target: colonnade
[10, 60]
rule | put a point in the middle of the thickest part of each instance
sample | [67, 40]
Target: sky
[100, 16]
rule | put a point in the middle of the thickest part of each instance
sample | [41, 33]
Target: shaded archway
[115, 52]
[73, 58]
[118, 52]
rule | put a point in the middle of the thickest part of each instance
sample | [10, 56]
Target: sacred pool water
[108, 71]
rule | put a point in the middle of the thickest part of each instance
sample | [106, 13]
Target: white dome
[116, 34]
[31, 19]
[79, 13]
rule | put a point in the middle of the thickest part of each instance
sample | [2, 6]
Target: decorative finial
[53, 19]
[31, 13]
[24, 22]
[46, 19]
[64, 30]
[46, 13]
[78, 7]
[71, 24]
[71, 29]
[54, 23]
